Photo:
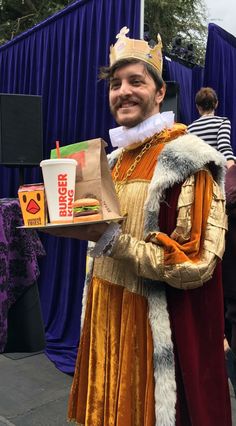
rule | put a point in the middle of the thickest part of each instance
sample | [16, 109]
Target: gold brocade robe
[114, 378]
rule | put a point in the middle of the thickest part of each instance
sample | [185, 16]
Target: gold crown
[126, 47]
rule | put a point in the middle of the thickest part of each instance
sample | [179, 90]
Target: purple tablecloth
[19, 249]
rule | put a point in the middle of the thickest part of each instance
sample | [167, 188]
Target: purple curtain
[59, 59]
[190, 80]
[197, 83]
[220, 69]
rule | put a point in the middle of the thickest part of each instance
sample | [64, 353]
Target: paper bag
[93, 176]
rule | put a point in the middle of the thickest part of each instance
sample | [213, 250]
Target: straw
[58, 149]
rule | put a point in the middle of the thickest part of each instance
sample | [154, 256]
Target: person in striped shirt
[214, 130]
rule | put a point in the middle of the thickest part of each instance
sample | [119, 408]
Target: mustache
[122, 99]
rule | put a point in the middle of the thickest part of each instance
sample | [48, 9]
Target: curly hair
[106, 73]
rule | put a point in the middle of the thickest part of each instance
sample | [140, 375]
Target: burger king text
[65, 196]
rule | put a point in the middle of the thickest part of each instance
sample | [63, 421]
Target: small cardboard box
[33, 204]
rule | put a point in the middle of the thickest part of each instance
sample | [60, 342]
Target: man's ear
[160, 94]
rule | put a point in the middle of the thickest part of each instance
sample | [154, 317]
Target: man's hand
[81, 232]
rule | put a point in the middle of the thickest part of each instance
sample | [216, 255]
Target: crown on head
[126, 47]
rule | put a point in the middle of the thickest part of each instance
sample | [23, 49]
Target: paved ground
[34, 393]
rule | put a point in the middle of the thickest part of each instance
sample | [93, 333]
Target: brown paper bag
[93, 176]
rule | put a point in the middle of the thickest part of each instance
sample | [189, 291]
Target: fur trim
[88, 278]
[187, 154]
[163, 354]
[113, 157]
[178, 160]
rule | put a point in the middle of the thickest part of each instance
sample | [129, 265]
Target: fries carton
[33, 204]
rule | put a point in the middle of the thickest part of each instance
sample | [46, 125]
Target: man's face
[133, 95]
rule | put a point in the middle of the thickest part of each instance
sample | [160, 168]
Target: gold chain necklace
[161, 137]
[120, 185]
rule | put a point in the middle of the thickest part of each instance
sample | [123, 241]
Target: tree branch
[19, 20]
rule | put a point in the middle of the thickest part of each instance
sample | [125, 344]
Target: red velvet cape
[197, 323]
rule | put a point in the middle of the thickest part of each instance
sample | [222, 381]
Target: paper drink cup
[59, 181]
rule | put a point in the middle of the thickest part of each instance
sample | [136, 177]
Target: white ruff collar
[124, 136]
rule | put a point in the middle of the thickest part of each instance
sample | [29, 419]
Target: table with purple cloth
[19, 250]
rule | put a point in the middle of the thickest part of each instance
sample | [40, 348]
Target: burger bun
[84, 202]
[90, 218]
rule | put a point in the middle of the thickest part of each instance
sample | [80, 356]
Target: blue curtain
[220, 70]
[190, 80]
[60, 59]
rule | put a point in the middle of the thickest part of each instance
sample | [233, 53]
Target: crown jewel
[126, 47]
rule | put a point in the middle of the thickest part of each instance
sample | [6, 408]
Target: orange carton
[33, 204]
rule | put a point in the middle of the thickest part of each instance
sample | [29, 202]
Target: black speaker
[171, 100]
[25, 331]
[21, 141]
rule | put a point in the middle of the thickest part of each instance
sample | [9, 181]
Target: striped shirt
[215, 131]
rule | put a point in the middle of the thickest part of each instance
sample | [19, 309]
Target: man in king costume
[151, 348]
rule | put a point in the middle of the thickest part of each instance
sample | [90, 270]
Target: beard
[131, 111]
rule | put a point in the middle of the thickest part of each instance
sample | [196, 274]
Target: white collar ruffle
[123, 136]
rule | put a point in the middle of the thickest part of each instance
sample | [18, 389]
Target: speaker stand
[21, 175]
